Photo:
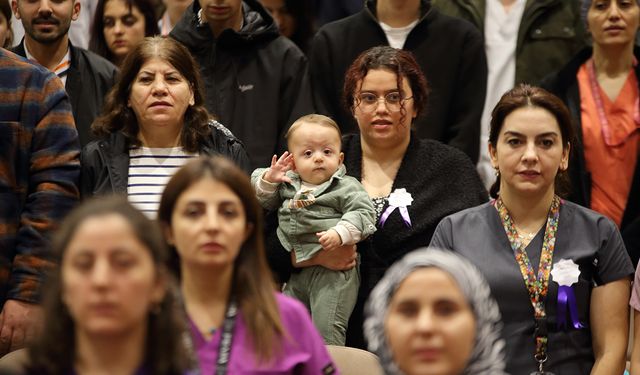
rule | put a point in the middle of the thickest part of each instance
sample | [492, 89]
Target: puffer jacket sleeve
[226, 144]
[88, 166]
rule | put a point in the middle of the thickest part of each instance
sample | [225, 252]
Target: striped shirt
[61, 68]
[149, 171]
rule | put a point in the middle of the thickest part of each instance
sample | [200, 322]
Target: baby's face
[316, 152]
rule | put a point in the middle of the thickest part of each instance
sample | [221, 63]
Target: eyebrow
[517, 134]
[375, 92]
[197, 202]
[141, 72]
[119, 16]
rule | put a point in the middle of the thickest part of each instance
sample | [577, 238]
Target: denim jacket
[341, 198]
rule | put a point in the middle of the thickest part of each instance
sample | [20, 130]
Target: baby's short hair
[313, 119]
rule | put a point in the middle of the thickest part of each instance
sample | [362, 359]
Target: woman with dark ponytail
[572, 260]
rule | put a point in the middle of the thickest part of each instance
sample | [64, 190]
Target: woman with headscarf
[432, 312]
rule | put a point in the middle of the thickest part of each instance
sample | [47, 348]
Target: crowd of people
[231, 186]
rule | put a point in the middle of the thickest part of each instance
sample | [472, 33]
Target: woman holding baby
[413, 183]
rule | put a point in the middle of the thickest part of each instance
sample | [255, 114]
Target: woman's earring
[497, 172]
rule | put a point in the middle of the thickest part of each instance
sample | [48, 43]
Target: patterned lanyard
[537, 287]
[597, 98]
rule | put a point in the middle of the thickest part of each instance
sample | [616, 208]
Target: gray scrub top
[589, 239]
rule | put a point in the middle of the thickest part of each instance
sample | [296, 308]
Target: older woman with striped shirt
[153, 122]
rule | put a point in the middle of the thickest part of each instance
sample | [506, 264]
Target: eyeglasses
[368, 102]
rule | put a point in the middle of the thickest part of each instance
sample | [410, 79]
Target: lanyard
[597, 98]
[537, 287]
[224, 349]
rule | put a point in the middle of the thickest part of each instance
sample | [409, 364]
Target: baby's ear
[293, 165]
[341, 157]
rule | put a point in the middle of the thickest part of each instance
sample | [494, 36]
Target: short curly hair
[398, 61]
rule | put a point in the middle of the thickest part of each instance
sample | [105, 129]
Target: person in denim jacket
[319, 207]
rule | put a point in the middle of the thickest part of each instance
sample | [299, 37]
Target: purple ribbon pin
[566, 273]
[567, 297]
[399, 199]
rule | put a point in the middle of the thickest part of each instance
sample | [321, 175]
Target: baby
[320, 207]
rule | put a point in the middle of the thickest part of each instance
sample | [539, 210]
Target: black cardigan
[564, 84]
[441, 179]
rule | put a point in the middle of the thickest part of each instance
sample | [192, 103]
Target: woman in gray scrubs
[559, 272]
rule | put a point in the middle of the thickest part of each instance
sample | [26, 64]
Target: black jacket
[105, 163]
[89, 79]
[450, 52]
[255, 80]
[564, 84]
[551, 32]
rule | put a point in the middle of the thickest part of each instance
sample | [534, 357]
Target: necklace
[524, 234]
[602, 115]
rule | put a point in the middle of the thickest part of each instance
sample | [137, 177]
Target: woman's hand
[278, 169]
[342, 258]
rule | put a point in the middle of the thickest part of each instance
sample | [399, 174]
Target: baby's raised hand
[329, 239]
[278, 169]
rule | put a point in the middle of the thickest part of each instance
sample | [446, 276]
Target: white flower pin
[565, 272]
[400, 198]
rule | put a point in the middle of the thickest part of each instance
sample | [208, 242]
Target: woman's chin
[161, 121]
[119, 53]
[106, 328]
